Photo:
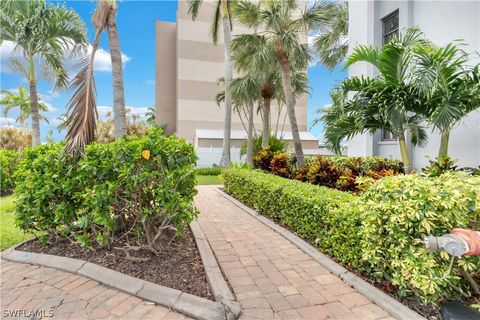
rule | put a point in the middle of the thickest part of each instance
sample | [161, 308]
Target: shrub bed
[8, 163]
[379, 232]
[134, 188]
[333, 172]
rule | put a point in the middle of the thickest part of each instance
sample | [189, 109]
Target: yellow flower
[146, 154]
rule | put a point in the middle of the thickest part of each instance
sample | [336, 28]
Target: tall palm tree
[244, 93]
[452, 88]
[43, 34]
[82, 106]
[223, 12]
[387, 101]
[331, 45]
[284, 24]
[21, 101]
[119, 113]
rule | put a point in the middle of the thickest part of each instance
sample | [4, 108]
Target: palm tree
[43, 34]
[387, 101]
[331, 45]
[282, 32]
[441, 76]
[223, 12]
[21, 101]
[82, 106]
[119, 113]
[244, 93]
[252, 55]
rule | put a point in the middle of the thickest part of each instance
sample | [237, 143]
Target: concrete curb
[218, 285]
[383, 300]
[190, 305]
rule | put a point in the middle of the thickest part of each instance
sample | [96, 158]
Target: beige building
[188, 66]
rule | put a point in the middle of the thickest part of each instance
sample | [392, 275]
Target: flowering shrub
[136, 186]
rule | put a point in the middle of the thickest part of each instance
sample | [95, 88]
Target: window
[390, 27]
[387, 135]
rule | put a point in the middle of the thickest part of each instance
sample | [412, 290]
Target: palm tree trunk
[443, 151]
[266, 122]
[250, 135]
[404, 153]
[288, 91]
[34, 103]
[227, 34]
[119, 117]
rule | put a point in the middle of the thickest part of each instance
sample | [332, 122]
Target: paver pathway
[64, 295]
[270, 276]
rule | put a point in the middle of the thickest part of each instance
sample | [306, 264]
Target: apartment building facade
[188, 67]
[373, 22]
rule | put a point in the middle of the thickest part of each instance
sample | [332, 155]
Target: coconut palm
[244, 93]
[22, 101]
[387, 101]
[44, 35]
[223, 12]
[331, 45]
[452, 88]
[284, 24]
[82, 106]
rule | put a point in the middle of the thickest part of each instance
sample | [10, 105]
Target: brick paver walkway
[271, 277]
[27, 288]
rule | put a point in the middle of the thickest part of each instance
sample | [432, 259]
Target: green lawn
[9, 233]
[209, 180]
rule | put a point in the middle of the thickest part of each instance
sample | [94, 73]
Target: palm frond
[194, 7]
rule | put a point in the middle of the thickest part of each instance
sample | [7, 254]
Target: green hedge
[131, 186]
[379, 232]
[8, 163]
[302, 207]
[208, 171]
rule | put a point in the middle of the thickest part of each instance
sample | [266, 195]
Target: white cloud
[50, 107]
[139, 111]
[104, 110]
[7, 122]
[6, 51]
[103, 61]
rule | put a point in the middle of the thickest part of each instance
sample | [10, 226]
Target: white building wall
[442, 22]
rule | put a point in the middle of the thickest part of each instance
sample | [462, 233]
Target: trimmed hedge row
[379, 232]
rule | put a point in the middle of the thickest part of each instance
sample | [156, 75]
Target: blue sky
[137, 42]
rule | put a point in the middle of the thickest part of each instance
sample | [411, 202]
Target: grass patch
[9, 233]
[209, 180]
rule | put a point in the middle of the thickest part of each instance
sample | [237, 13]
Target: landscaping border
[388, 303]
[223, 308]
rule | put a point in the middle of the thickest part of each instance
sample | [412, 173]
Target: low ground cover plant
[380, 231]
[132, 190]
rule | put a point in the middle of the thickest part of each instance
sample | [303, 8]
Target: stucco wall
[199, 64]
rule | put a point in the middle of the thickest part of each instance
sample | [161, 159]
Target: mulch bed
[179, 266]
